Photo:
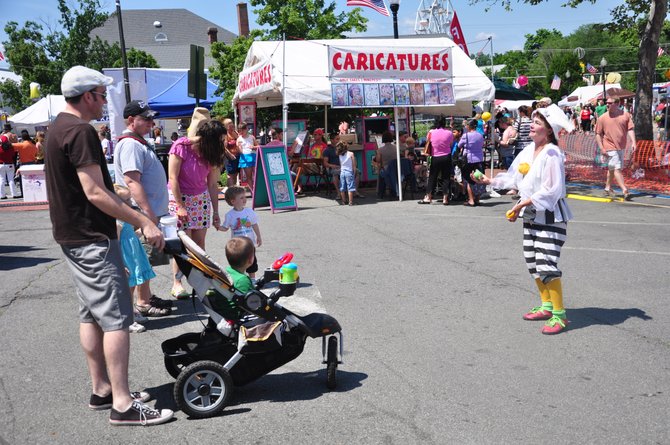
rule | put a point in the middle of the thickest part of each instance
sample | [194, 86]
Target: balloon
[522, 80]
[486, 116]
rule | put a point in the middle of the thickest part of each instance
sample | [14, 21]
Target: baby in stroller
[249, 333]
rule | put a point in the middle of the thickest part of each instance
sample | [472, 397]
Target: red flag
[457, 34]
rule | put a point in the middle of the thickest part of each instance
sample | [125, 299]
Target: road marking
[588, 198]
[596, 249]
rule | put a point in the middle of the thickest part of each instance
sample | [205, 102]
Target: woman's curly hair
[210, 145]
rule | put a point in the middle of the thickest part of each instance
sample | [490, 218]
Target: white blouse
[544, 183]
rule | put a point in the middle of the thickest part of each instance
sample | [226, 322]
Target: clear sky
[507, 28]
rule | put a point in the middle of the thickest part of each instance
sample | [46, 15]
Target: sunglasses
[104, 95]
[610, 103]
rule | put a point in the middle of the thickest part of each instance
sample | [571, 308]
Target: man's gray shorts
[102, 285]
[615, 161]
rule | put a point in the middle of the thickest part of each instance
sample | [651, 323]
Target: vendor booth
[427, 74]
[41, 113]
[583, 95]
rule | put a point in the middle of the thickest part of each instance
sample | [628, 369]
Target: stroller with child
[247, 335]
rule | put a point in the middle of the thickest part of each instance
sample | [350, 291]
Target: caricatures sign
[383, 64]
[379, 77]
[273, 186]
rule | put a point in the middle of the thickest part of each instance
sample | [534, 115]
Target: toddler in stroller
[247, 336]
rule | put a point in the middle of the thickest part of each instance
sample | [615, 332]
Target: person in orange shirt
[613, 131]
[26, 148]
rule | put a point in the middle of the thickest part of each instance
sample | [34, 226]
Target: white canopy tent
[584, 94]
[286, 72]
[41, 112]
[306, 81]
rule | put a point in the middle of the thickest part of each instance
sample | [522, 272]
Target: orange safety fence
[647, 168]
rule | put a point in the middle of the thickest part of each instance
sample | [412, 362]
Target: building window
[161, 37]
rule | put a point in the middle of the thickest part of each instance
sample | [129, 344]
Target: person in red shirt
[7, 168]
[585, 117]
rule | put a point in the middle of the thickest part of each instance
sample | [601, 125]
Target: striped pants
[542, 249]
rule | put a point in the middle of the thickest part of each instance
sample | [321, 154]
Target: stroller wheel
[331, 363]
[203, 389]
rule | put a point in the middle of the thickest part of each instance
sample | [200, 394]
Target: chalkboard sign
[273, 186]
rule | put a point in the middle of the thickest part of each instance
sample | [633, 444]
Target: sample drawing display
[371, 94]
[280, 189]
[275, 164]
[340, 96]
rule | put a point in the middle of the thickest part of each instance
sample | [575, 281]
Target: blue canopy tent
[169, 94]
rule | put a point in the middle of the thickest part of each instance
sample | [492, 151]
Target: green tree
[646, 18]
[301, 19]
[306, 19]
[43, 57]
[229, 62]
[14, 95]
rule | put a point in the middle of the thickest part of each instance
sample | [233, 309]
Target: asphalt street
[430, 299]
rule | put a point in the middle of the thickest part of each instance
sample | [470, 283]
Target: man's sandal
[151, 311]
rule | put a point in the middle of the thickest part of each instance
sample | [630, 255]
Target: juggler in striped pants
[542, 249]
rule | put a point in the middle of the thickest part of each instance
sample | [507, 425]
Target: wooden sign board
[273, 186]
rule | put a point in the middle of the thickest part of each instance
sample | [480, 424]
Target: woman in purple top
[194, 168]
[441, 139]
[472, 145]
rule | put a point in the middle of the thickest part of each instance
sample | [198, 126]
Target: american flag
[377, 5]
[591, 69]
[2, 56]
[556, 83]
[661, 51]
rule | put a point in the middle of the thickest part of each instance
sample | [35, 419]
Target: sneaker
[97, 403]
[537, 313]
[140, 414]
[136, 328]
[139, 317]
[554, 325]
[494, 194]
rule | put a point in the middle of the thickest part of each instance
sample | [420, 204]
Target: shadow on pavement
[12, 262]
[285, 387]
[589, 316]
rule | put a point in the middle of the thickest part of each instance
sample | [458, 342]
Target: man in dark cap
[137, 167]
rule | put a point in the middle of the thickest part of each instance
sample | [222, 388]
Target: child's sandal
[151, 311]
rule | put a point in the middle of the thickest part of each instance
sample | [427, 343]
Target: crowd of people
[105, 227]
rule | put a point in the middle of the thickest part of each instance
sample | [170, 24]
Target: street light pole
[395, 5]
[124, 58]
[603, 64]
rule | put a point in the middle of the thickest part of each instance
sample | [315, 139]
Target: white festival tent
[41, 112]
[286, 72]
[584, 94]
[306, 80]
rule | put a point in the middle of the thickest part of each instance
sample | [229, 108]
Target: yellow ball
[486, 116]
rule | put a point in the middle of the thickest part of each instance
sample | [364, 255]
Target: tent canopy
[506, 91]
[307, 81]
[174, 100]
[166, 90]
[584, 94]
[41, 112]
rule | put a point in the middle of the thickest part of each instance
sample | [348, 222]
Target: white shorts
[615, 159]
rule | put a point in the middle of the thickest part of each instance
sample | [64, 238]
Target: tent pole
[284, 108]
[397, 150]
[491, 122]
[325, 119]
